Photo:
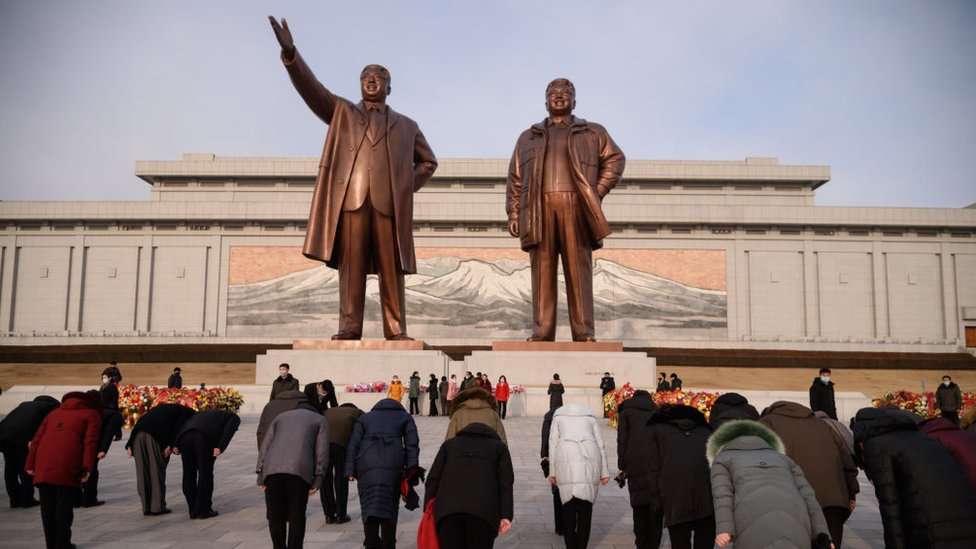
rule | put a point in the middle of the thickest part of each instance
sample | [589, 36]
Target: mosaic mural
[483, 294]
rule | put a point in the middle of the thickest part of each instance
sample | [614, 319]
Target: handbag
[427, 530]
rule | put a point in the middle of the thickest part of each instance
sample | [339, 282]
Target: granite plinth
[359, 345]
[575, 369]
[567, 346]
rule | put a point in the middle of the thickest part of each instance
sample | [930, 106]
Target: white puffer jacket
[577, 455]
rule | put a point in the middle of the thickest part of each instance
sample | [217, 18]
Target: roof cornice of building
[759, 169]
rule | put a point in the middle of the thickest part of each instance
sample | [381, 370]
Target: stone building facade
[709, 254]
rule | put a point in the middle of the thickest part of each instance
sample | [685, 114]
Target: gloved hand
[621, 479]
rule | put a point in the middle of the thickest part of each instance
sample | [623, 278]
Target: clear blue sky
[882, 91]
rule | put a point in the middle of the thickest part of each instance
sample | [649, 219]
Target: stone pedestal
[584, 369]
[351, 362]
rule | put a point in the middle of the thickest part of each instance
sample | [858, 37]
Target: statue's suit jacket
[411, 164]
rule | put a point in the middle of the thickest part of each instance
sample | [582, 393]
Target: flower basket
[136, 400]
[921, 404]
[702, 400]
[374, 387]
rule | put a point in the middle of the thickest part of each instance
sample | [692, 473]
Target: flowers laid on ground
[136, 400]
[701, 400]
[374, 387]
[516, 389]
[922, 404]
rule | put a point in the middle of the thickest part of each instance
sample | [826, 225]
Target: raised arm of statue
[316, 96]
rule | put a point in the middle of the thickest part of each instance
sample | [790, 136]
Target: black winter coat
[663, 386]
[111, 424]
[923, 495]
[21, 423]
[556, 391]
[607, 384]
[217, 426]
[822, 397]
[731, 406]
[283, 402]
[110, 396]
[677, 463]
[383, 447]
[633, 449]
[175, 381]
[472, 474]
[432, 392]
[288, 383]
[163, 423]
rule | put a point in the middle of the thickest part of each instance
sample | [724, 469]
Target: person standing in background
[335, 485]
[395, 391]
[676, 382]
[822, 394]
[486, 383]
[175, 380]
[414, 393]
[284, 382]
[467, 382]
[432, 395]
[442, 390]
[662, 383]
[452, 391]
[555, 392]
[948, 399]
[607, 385]
[109, 391]
[502, 393]
[16, 431]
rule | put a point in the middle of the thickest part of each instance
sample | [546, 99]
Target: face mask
[104, 379]
[825, 379]
[946, 383]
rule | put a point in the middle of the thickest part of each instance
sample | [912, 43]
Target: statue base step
[352, 364]
[359, 345]
[570, 346]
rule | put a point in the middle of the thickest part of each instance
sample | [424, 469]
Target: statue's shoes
[400, 337]
[342, 336]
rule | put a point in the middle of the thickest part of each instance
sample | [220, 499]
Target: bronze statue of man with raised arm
[361, 219]
[560, 171]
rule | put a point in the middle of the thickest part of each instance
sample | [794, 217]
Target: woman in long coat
[383, 449]
[555, 391]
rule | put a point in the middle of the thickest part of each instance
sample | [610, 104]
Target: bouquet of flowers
[374, 387]
[702, 401]
[516, 389]
[921, 404]
[135, 400]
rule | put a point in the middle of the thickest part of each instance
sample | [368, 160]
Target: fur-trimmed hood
[474, 397]
[743, 434]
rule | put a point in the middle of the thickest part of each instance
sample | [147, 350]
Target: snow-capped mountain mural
[477, 299]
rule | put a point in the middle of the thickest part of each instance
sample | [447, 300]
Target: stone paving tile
[242, 523]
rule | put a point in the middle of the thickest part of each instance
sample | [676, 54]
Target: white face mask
[825, 379]
[104, 379]
[946, 383]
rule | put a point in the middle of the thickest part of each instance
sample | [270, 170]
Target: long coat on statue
[411, 164]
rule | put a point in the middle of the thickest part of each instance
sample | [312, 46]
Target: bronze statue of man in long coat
[361, 219]
[560, 171]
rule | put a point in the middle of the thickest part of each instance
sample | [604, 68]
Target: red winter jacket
[501, 392]
[961, 444]
[65, 445]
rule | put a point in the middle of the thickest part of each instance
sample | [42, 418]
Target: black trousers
[89, 489]
[502, 408]
[198, 472]
[577, 516]
[951, 415]
[557, 511]
[836, 517]
[380, 533]
[648, 526]
[463, 531]
[433, 408]
[20, 485]
[703, 530]
[57, 514]
[414, 406]
[287, 499]
[335, 486]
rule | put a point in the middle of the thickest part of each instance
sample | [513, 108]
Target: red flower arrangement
[374, 387]
[702, 400]
[922, 404]
[136, 400]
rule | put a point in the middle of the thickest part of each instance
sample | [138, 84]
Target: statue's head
[375, 82]
[560, 97]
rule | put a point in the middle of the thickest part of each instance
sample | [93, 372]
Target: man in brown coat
[361, 219]
[823, 457]
[335, 485]
[560, 171]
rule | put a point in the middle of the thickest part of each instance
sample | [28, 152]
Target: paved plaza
[242, 525]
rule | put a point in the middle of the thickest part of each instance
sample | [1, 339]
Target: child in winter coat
[761, 497]
[577, 466]
[61, 458]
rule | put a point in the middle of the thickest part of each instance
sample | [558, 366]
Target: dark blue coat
[383, 446]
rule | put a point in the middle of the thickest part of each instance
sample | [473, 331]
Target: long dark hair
[113, 373]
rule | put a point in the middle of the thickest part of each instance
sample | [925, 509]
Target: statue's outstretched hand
[283, 34]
